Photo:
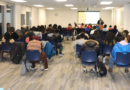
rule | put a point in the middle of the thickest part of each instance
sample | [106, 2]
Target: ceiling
[80, 4]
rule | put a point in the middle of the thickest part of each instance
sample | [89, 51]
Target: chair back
[107, 49]
[32, 55]
[19, 40]
[78, 48]
[67, 33]
[6, 46]
[123, 58]
[101, 48]
[89, 56]
[44, 37]
[53, 43]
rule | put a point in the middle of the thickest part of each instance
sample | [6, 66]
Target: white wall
[34, 16]
[70, 16]
[41, 17]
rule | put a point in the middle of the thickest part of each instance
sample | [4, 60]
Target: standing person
[35, 44]
[82, 25]
[100, 22]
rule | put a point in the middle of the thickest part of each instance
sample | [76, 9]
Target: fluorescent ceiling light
[18, 0]
[8, 9]
[106, 2]
[74, 8]
[108, 8]
[38, 5]
[50, 8]
[69, 5]
[61, 0]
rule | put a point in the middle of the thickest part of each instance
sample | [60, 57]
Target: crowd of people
[89, 42]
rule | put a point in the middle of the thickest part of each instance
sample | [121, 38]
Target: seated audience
[126, 35]
[109, 40]
[87, 28]
[92, 31]
[55, 26]
[14, 35]
[110, 27]
[90, 45]
[83, 32]
[98, 28]
[98, 37]
[60, 28]
[120, 46]
[35, 44]
[82, 25]
[90, 26]
[58, 35]
[105, 28]
[115, 30]
[79, 41]
[69, 28]
[24, 29]
[76, 26]
[51, 36]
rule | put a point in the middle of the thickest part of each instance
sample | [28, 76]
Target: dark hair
[94, 27]
[82, 24]
[86, 25]
[56, 31]
[30, 35]
[11, 29]
[55, 26]
[105, 26]
[75, 24]
[97, 35]
[92, 37]
[110, 37]
[7, 37]
[50, 25]
[126, 32]
[120, 38]
[115, 27]
[82, 36]
[69, 24]
[110, 26]
[83, 30]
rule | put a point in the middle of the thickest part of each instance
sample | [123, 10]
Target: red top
[110, 28]
[69, 29]
[82, 26]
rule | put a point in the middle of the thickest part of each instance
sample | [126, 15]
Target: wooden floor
[63, 74]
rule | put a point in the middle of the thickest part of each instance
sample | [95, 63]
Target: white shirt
[85, 35]
[79, 42]
[92, 31]
[105, 29]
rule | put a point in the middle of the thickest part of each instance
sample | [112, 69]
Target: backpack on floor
[102, 69]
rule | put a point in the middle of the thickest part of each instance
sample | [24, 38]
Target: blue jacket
[87, 29]
[119, 48]
[98, 28]
[49, 50]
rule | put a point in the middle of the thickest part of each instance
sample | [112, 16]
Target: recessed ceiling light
[38, 5]
[74, 8]
[61, 0]
[69, 5]
[50, 8]
[18, 0]
[106, 2]
[108, 8]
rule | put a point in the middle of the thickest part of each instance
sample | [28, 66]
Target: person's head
[75, 24]
[120, 38]
[50, 25]
[56, 31]
[30, 34]
[110, 36]
[125, 32]
[69, 24]
[24, 26]
[82, 24]
[7, 37]
[110, 26]
[92, 37]
[115, 27]
[105, 26]
[11, 30]
[55, 26]
[100, 18]
[94, 27]
[97, 35]
[82, 36]
[90, 24]
[85, 25]
[83, 31]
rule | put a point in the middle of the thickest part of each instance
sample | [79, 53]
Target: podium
[101, 27]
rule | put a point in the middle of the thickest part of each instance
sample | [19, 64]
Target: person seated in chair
[69, 28]
[79, 41]
[83, 32]
[51, 36]
[90, 45]
[58, 35]
[35, 44]
[13, 34]
[120, 46]
[105, 29]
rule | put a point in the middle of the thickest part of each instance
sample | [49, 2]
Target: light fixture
[8, 9]
[106, 2]
[69, 5]
[108, 8]
[50, 8]
[61, 0]
[74, 8]
[19, 0]
[38, 5]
